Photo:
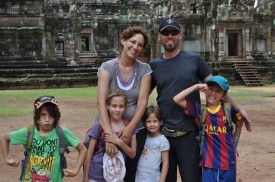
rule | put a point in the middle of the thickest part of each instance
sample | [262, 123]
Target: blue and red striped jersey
[219, 149]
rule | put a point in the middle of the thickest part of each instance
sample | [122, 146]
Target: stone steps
[44, 83]
[46, 71]
[40, 74]
[264, 67]
[249, 73]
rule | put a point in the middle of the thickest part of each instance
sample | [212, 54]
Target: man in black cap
[173, 72]
[182, 70]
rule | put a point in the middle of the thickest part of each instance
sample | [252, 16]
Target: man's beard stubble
[171, 47]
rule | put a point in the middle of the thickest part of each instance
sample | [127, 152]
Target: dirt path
[256, 161]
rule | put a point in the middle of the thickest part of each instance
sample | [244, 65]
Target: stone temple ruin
[61, 43]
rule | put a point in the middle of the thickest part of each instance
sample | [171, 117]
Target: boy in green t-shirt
[44, 161]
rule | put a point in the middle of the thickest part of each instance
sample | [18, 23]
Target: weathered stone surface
[65, 33]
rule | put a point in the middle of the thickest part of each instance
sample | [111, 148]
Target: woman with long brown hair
[130, 75]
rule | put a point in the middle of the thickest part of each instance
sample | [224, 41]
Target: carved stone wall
[21, 28]
[88, 30]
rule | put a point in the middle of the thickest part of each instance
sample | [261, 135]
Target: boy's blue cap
[221, 81]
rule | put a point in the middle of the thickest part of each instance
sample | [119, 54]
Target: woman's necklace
[126, 72]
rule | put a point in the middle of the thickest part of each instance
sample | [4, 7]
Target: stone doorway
[85, 43]
[234, 43]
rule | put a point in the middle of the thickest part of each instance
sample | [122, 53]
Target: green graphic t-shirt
[44, 163]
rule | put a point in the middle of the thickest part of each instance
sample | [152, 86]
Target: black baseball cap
[169, 22]
[40, 101]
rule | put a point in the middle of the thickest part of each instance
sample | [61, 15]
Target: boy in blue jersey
[218, 148]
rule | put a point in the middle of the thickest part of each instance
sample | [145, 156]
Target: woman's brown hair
[131, 31]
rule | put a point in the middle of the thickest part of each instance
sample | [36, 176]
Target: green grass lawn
[64, 93]
[241, 94]
[12, 100]
[12, 105]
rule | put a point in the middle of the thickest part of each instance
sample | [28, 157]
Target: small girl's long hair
[152, 110]
[116, 93]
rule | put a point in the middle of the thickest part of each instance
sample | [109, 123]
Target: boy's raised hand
[180, 98]
[202, 87]
[12, 162]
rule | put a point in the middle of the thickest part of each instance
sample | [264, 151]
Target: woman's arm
[130, 151]
[102, 94]
[140, 109]
[87, 161]
[165, 165]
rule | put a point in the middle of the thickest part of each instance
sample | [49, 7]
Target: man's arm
[207, 78]
[243, 113]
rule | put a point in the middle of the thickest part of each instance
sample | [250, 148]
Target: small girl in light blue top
[156, 149]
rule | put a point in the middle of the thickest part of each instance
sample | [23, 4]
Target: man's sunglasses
[168, 32]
